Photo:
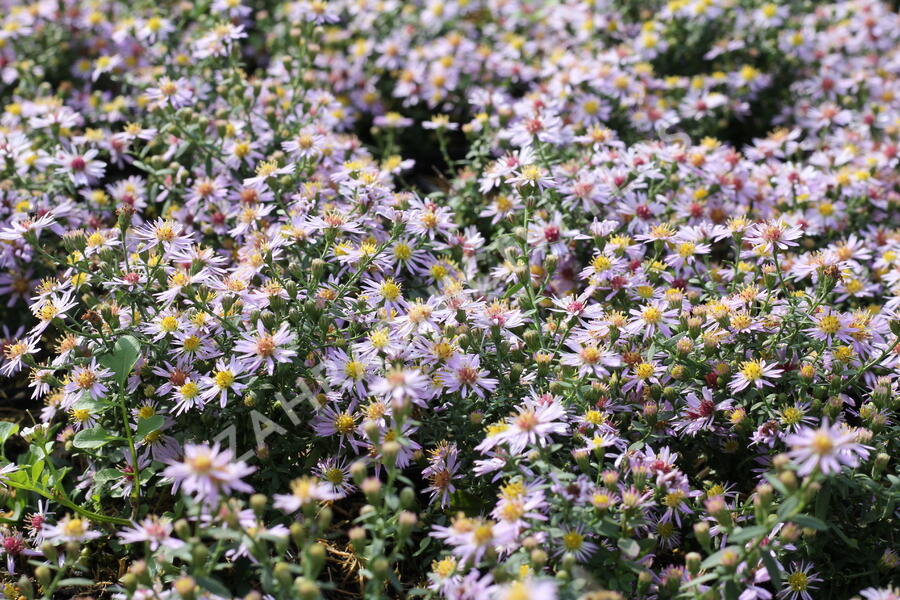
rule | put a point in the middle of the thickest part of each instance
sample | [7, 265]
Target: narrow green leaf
[810, 522]
[772, 567]
[214, 586]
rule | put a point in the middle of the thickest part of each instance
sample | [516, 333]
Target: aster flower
[304, 492]
[575, 541]
[402, 385]
[156, 531]
[335, 472]
[224, 380]
[773, 235]
[80, 167]
[264, 172]
[49, 308]
[828, 448]
[798, 582]
[590, 359]
[529, 589]
[207, 472]
[171, 92]
[13, 545]
[265, 349]
[443, 464]
[464, 374]
[755, 373]
[15, 352]
[70, 529]
[535, 421]
[171, 235]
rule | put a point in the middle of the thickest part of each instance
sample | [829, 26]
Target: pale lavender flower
[206, 472]
[827, 448]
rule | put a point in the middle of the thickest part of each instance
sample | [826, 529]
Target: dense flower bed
[464, 299]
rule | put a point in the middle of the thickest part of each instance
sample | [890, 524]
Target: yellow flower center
[483, 534]
[224, 379]
[355, 370]
[798, 581]
[651, 315]
[74, 528]
[573, 540]
[822, 443]
[830, 324]
[344, 423]
[168, 324]
[201, 464]
[751, 370]
[390, 290]
[590, 355]
[190, 390]
[643, 371]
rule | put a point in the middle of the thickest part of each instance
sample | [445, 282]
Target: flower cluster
[457, 299]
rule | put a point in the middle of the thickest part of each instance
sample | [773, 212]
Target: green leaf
[124, 356]
[747, 533]
[629, 547]
[772, 568]
[731, 591]
[214, 586]
[149, 425]
[73, 581]
[785, 510]
[104, 475]
[810, 522]
[713, 560]
[7, 429]
[92, 438]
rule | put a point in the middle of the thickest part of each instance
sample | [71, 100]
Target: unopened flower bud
[389, 451]
[139, 569]
[282, 572]
[717, 507]
[881, 462]
[701, 531]
[258, 503]
[645, 578]
[371, 487]
[550, 263]
[357, 537]
[692, 561]
[298, 533]
[49, 551]
[380, 568]
[764, 492]
[186, 587]
[128, 580]
[406, 520]
[358, 470]
[780, 462]
[789, 479]
[790, 532]
[306, 588]
[730, 558]
[407, 497]
[316, 558]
